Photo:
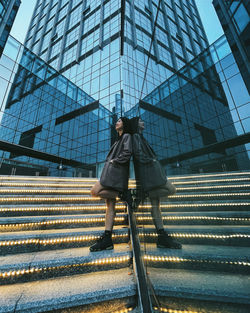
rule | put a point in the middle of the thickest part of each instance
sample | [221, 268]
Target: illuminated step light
[210, 181]
[36, 199]
[47, 185]
[209, 195]
[118, 206]
[126, 310]
[54, 241]
[215, 218]
[34, 191]
[62, 221]
[48, 178]
[212, 187]
[156, 258]
[87, 184]
[162, 309]
[34, 270]
[197, 235]
[210, 175]
[61, 199]
[69, 208]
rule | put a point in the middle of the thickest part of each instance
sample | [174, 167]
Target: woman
[114, 180]
[151, 180]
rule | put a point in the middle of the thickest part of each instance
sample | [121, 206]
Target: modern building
[48, 125]
[197, 120]
[234, 16]
[100, 59]
[8, 11]
[104, 46]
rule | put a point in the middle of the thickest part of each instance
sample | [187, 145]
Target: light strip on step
[34, 270]
[54, 241]
[126, 310]
[46, 185]
[156, 258]
[210, 181]
[35, 191]
[162, 309]
[78, 208]
[210, 175]
[194, 205]
[209, 195]
[62, 221]
[35, 199]
[215, 218]
[48, 178]
[197, 235]
[213, 187]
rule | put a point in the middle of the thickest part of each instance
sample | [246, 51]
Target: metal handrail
[139, 269]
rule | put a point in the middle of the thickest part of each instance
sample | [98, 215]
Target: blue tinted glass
[237, 84]
[222, 48]
[241, 17]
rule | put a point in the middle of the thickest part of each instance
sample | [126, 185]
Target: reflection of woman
[151, 180]
[114, 180]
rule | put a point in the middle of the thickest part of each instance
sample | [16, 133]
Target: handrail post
[141, 278]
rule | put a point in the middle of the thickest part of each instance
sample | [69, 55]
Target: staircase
[47, 225]
[210, 216]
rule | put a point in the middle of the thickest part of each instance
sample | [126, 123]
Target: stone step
[90, 208]
[200, 257]
[53, 222]
[226, 235]
[216, 175]
[10, 224]
[79, 199]
[47, 264]
[204, 218]
[78, 290]
[222, 175]
[31, 188]
[211, 182]
[205, 289]
[40, 240]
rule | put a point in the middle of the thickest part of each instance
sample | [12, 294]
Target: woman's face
[141, 124]
[119, 125]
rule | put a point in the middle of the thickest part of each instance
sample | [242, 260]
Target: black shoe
[165, 241]
[103, 243]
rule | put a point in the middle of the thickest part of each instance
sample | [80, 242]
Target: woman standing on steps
[114, 180]
[151, 180]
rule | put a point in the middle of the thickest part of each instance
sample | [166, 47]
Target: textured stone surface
[209, 285]
[202, 251]
[59, 257]
[62, 292]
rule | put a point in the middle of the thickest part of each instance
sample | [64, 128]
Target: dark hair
[134, 121]
[126, 124]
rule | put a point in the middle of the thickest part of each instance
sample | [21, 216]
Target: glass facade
[235, 20]
[197, 118]
[8, 11]
[93, 61]
[45, 112]
[103, 46]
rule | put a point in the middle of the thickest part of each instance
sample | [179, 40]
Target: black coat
[115, 175]
[149, 173]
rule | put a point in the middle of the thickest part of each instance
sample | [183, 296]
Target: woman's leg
[110, 214]
[105, 241]
[156, 213]
[163, 240]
